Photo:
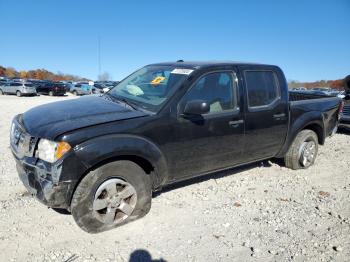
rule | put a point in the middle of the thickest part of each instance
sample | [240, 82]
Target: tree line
[335, 84]
[43, 74]
[39, 74]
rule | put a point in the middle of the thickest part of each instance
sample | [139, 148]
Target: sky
[309, 40]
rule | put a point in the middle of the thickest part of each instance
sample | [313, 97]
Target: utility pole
[99, 56]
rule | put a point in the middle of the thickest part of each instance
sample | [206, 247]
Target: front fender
[97, 150]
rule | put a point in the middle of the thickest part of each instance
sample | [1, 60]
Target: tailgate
[60, 88]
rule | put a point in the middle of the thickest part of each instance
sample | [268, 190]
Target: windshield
[151, 86]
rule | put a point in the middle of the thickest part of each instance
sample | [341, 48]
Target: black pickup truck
[164, 123]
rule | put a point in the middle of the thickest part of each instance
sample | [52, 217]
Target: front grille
[21, 142]
[346, 110]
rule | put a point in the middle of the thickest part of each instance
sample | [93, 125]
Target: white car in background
[18, 88]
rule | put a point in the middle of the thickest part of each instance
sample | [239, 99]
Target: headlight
[51, 151]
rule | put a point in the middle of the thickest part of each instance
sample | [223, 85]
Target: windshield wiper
[119, 99]
[128, 103]
[108, 97]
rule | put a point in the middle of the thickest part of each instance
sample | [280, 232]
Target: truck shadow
[141, 255]
[215, 175]
[344, 130]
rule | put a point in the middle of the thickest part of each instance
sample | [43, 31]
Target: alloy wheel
[114, 201]
[307, 153]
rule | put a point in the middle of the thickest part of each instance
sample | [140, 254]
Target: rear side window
[262, 88]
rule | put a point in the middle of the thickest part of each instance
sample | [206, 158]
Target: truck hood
[54, 119]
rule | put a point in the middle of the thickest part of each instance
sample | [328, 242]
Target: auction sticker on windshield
[182, 71]
[157, 80]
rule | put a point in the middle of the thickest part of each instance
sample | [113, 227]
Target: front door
[211, 141]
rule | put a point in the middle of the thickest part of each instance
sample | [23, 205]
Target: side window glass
[217, 89]
[262, 87]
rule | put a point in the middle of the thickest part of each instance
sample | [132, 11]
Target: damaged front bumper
[53, 184]
[38, 182]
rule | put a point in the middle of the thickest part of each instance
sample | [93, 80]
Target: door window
[218, 89]
[262, 88]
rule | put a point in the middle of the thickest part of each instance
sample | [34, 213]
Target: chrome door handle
[279, 115]
[236, 123]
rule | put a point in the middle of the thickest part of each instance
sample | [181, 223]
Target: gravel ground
[261, 212]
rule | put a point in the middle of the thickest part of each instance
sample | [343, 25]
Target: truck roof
[200, 64]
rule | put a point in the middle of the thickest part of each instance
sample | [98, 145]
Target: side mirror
[196, 107]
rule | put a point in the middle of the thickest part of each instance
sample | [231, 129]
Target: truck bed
[297, 96]
[302, 104]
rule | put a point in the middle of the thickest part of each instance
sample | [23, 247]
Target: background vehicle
[100, 87]
[105, 85]
[3, 80]
[18, 88]
[51, 88]
[81, 89]
[300, 88]
[164, 123]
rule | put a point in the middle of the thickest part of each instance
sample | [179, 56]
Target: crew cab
[101, 157]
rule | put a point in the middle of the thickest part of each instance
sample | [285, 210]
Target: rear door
[266, 112]
[40, 87]
[14, 87]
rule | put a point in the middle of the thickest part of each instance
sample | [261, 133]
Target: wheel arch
[102, 150]
[312, 120]
[317, 128]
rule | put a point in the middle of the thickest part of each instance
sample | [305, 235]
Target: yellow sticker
[157, 80]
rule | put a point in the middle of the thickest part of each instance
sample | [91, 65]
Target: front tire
[50, 93]
[110, 196]
[1, 92]
[303, 151]
[18, 93]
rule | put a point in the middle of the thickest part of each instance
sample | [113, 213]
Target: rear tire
[50, 93]
[1, 92]
[119, 206]
[18, 93]
[303, 151]
[75, 93]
